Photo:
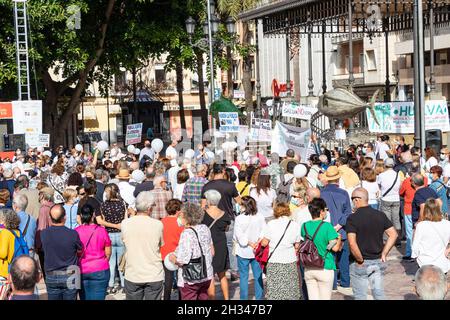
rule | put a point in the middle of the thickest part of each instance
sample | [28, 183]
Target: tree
[129, 31]
[233, 8]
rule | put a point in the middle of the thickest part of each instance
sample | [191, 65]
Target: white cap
[138, 176]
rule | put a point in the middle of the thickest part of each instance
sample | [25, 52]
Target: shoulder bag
[195, 270]
[89, 241]
[389, 190]
[262, 255]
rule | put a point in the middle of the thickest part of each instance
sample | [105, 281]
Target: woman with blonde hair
[431, 238]
[379, 166]
[71, 206]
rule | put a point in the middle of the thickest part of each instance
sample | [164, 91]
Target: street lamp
[231, 26]
[190, 26]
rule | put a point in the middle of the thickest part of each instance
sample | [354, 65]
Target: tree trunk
[57, 125]
[201, 92]
[247, 72]
[230, 82]
[179, 70]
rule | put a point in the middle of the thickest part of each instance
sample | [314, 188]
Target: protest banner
[134, 133]
[398, 117]
[27, 116]
[298, 110]
[34, 140]
[229, 122]
[261, 130]
[286, 137]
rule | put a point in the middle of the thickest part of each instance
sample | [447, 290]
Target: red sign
[280, 87]
[5, 110]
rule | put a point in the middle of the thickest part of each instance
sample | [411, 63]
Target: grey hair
[192, 213]
[213, 197]
[418, 179]
[144, 201]
[9, 218]
[431, 283]
[21, 201]
[157, 180]
[199, 168]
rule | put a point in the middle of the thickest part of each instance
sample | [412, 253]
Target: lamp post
[210, 28]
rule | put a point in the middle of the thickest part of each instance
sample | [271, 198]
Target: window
[371, 60]
[160, 76]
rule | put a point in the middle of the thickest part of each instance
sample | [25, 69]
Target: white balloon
[169, 265]
[79, 147]
[102, 146]
[300, 171]
[157, 145]
[130, 148]
[6, 166]
[189, 153]
[138, 176]
[245, 155]
[137, 151]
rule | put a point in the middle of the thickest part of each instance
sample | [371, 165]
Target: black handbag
[195, 270]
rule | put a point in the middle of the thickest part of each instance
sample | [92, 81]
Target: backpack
[20, 246]
[308, 253]
[283, 190]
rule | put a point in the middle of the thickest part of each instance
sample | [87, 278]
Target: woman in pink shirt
[94, 260]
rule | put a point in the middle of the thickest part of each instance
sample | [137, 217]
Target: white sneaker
[345, 291]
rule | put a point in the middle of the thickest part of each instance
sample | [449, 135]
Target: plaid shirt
[193, 190]
[161, 199]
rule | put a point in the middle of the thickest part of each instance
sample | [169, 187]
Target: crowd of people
[167, 226]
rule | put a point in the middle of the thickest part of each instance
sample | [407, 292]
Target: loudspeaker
[433, 139]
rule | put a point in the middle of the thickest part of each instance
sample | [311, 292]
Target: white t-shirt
[373, 189]
[301, 215]
[430, 242]
[264, 201]
[385, 181]
[171, 152]
[247, 229]
[430, 163]
[178, 192]
[382, 149]
[285, 252]
[126, 192]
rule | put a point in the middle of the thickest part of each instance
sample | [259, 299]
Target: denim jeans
[370, 271]
[229, 235]
[117, 250]
[62, 287]
[409, 234]
[243, 265]
[342, 261]
[374, 206]
[93, 285]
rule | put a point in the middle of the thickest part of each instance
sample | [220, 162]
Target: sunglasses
[82, 194]
[353, 198]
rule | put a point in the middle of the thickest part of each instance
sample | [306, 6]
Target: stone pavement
[398, 282]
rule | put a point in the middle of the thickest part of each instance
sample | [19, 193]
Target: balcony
[441, 75]
[344, 38]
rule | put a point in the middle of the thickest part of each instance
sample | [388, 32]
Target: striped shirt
[161, 199]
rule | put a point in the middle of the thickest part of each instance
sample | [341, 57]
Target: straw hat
[124, 174]
[332, 173]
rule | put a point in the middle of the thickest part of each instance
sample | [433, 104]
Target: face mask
[180, 222]
[322, 149]
[443, 156]
[295, 202]
[364, 150]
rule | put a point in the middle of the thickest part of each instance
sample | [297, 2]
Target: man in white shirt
[126, 189]
[390, 182]
[147, 151]
[171, 151]
[172, 173]
[143, 238]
